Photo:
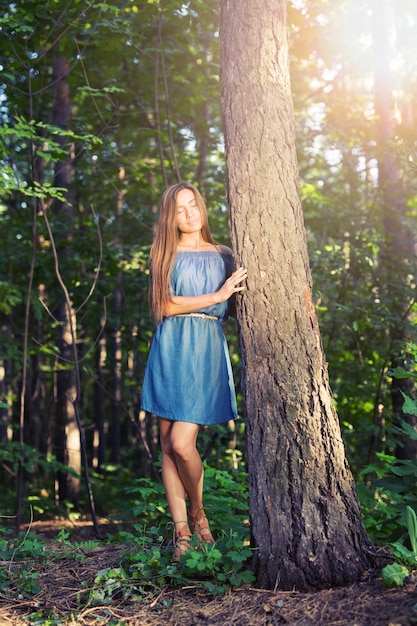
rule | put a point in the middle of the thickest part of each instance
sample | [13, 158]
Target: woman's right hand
[232, 285]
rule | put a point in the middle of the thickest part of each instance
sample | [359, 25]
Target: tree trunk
[99, 443]
[5, 420]
[35, 408]
[116, 374]
[305, 517]
[67, 432]
[116, 362]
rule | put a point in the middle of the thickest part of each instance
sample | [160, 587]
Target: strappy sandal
[200, 525]
[182, 540]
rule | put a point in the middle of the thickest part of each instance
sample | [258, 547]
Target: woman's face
[188, 217]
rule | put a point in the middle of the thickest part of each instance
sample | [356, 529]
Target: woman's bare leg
[182, 469]
[183, 475]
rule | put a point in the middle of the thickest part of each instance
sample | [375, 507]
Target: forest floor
[64, 582]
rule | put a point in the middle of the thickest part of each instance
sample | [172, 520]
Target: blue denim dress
[188, 375]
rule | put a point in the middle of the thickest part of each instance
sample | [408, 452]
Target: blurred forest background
[103, 105]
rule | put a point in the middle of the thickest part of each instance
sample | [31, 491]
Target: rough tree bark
[117, 348]
[67, 432]
[4, 407]
[99, 443]
[305, 517]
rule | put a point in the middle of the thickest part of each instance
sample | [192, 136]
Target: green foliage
[16, 578]
[147, 499]
[39, 473]
[9, 297]
[225, 498]
[362, 285]
[12, 456]
[145, 97]
[144, 87]
[391, 507]
[411, 520]
[216, 568]
[409, 407]
[225, 565]
[26, 545]
[146, 563]
[39, 618]
[393, 492]
[22, 556]
[396, 573]
[390, 501]
[111, 583]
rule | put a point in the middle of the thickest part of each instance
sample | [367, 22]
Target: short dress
[188, 375]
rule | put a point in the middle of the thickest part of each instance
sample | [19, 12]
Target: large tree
[67, 433]
[305, 517]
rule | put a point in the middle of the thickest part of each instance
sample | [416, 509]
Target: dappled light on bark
[306, 522]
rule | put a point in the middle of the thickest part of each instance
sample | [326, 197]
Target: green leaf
[410, 405]
[400, 372]
[394, 575]
[411, 520]
[405, 429]
[404, 555]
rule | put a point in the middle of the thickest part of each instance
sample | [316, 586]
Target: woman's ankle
[179, 526]
[195, 512]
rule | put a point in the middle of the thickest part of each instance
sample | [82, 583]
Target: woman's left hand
[232, 285]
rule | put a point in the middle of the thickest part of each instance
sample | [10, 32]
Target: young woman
[188, 380]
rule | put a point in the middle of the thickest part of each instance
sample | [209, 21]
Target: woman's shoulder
[225, 250]
[206, 247]
[227, 256]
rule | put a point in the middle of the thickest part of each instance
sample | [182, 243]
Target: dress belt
[203, 315]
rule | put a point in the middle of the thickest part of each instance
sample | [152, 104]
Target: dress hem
[191, 421]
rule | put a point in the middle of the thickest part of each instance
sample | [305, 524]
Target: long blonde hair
[165, 244]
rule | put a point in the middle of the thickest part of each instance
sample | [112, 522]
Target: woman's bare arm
[179, 305]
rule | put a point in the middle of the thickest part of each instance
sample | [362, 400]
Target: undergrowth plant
[147, 560]
[22, 556]
[40, 471]
[396, 573]
[390, 509]
[225, 501]
[147, 564]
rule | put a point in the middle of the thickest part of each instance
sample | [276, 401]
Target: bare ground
[65, 584]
